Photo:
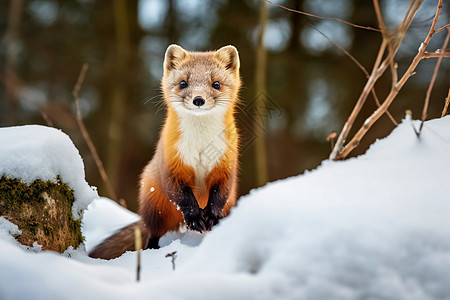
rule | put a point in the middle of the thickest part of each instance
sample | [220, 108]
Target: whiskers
[223, 101]
[176, 99]
[240, 106]
[148, 100]
[159, 102]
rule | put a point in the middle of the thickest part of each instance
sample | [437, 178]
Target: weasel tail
[192, 178]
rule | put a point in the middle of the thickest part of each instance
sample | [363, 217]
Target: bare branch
[430, 86]
[377, 71]
[78, 85]
[387, 38]
[138, 248]
[442, 28]
[322, 17]
[433, 25]
[447, 100]
[439, 53]
[86, 136]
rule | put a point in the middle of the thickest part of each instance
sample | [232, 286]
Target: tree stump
[42, 211]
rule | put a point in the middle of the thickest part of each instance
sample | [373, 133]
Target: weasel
[192, 177]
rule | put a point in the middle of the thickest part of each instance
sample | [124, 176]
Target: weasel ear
[228, 56]
[174, 56]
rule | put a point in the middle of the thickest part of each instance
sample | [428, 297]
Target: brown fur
[171, 192]
[119, 243]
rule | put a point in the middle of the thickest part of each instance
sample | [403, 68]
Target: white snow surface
[372, 227]
[38, 152]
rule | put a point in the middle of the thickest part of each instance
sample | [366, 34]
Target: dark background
[311, 85]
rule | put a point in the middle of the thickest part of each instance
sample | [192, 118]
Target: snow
[102, 218]
[371, 227]
[37, 152]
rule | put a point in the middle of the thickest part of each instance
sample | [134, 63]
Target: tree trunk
[260, 98]
[119, 92]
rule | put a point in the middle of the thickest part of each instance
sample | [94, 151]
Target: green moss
[75, 226]
[32, 226]
[48, 229]
[13, 192]
[30, 208]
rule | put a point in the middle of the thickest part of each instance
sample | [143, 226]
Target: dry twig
[447, 100]
[46, 118]
[86, 136]
[331, 137]
[442, 28]
[138, 248]
[440, 53]
[386, 37]
[173, 255]
[430, 86]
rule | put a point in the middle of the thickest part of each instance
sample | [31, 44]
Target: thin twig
[442, 28]
[173, 255]
[331, 137]
[438, 53]
[46, 118]
[138, 248]
[430, 86]
[431, 32]
[322, 17]
[78, 85]
[388, 39]
[337, 45]
[86, 136]
[447, 101]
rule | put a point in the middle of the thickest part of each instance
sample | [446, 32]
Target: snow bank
[38, 152]
[372, 227]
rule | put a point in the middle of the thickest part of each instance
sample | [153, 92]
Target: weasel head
[200, 83]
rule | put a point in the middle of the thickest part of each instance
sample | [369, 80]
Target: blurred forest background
[310, 86]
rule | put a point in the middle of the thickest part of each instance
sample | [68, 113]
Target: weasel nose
[199, 101]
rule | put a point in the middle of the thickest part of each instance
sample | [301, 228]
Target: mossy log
[42, 211]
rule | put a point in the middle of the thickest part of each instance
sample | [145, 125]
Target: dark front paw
[194, 221]
[211, 217]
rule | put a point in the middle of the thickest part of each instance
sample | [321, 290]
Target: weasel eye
[216, 85]
[183, 84]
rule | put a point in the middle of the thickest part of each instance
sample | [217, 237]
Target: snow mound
[37, 152]
[102, 218]
[372, 227]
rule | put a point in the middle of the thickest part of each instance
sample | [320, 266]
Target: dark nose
[199, 101]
